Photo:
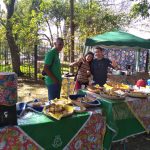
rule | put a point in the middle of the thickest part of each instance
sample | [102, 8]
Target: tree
[140, 9]
[14, 50]
[22, 25]
[29, 19]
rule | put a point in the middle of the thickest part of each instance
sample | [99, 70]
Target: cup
[148, 82]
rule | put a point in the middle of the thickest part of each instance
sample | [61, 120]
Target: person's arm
[92, 67]
[73, 64]
[114, 65]
[77, 63]
[49, 62]
[50, 74]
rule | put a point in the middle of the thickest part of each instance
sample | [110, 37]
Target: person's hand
[82, 59]
[88, 73]
[114, 64]
[55, 81]
[70, 65]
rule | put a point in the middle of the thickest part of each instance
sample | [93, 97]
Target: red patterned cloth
[91, 134]
[141, 110]
[13, 138]
[8, 88]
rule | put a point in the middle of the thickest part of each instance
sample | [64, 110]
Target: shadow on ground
[138, 142]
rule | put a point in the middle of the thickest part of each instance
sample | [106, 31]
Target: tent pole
[147, 62]
[137, 56]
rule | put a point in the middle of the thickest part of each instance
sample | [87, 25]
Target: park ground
[28, 91]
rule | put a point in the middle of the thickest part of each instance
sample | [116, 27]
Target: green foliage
[2, 33]
[27, 22]
[140, 9]
[32, 16]
[6, 68]
[92, 18]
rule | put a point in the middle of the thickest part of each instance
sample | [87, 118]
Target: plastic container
[148, 82]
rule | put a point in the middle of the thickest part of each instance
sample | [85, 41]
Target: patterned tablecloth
[90, 136]
[121, 121]
[80, 131]
[8, 88]
[13, 138]
[141, 109]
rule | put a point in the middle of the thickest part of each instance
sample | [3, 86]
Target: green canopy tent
[119, 39]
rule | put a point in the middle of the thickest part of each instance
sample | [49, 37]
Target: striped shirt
[82, 75]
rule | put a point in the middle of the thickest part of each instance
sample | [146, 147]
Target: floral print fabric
[141, 110]
[91, 134]
[8, 88]
[13, 138]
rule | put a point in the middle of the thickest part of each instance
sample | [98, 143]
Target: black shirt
[99, 69]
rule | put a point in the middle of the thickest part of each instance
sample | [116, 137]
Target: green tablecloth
[79, 131]
[50, 133]
[121, 123]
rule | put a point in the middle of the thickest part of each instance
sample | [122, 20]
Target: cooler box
[8, 115]
[8, 88]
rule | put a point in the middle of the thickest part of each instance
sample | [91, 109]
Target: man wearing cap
[99, 67]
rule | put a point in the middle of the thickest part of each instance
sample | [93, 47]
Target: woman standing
[84, 70]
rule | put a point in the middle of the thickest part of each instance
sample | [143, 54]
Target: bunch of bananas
[110, 85]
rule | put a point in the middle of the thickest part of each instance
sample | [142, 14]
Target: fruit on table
[140, 83]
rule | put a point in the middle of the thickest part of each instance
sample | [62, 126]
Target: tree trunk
[14, 50]
[72, 33]
[35, 61]
[51, 42]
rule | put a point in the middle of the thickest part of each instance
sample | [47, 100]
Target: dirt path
[30, 91]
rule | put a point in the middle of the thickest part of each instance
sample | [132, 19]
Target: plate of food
[36, 105]
[137, 94]
[89, 101]
[113, 96]
[78, 106]
[91, 104]
[94, 89]
[58, 111]
[62, 101]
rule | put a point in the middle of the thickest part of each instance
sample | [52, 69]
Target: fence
[27, 60]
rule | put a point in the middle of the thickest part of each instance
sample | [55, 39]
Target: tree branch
[42, 34]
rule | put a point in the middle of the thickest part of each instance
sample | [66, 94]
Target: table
[121, 122]
[67, 86]
[82, 130]
[131, 79]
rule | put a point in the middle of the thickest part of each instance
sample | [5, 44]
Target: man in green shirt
[52, 68]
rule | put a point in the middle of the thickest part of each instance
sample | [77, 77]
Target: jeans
[54, 91]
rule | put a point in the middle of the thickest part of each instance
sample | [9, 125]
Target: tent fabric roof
[117, 39]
